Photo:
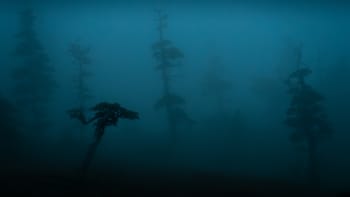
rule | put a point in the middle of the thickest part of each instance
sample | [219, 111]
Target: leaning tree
[105, 115]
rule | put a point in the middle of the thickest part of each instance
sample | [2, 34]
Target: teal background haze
[251, 39]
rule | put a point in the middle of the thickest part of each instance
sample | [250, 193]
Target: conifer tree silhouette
[307, 117]
[80, 57]
[33, 75]
[167, 57]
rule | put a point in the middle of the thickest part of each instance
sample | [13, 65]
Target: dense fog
[208, 81]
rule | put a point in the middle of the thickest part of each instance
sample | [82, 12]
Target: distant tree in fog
[80, 57]
[215, 85]
[168, 56]
[291, 58]
[33, 74]
[308, 119]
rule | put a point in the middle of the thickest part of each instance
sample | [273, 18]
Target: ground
[100, 183]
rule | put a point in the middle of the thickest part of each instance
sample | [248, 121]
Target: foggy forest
[174, 98]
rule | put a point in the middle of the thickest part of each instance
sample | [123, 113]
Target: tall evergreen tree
[33, 74]
[80, 58]
[307, 116]
[167, 56]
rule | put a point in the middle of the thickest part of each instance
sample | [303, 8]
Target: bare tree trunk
[313, 169]
[90, 156]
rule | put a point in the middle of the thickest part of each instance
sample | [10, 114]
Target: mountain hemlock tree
[80, 58]
[167, 57]
[33, 75]
[307, 116]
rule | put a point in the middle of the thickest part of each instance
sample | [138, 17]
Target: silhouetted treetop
[29, 42]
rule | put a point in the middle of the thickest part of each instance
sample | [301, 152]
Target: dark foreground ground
[160, 184]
